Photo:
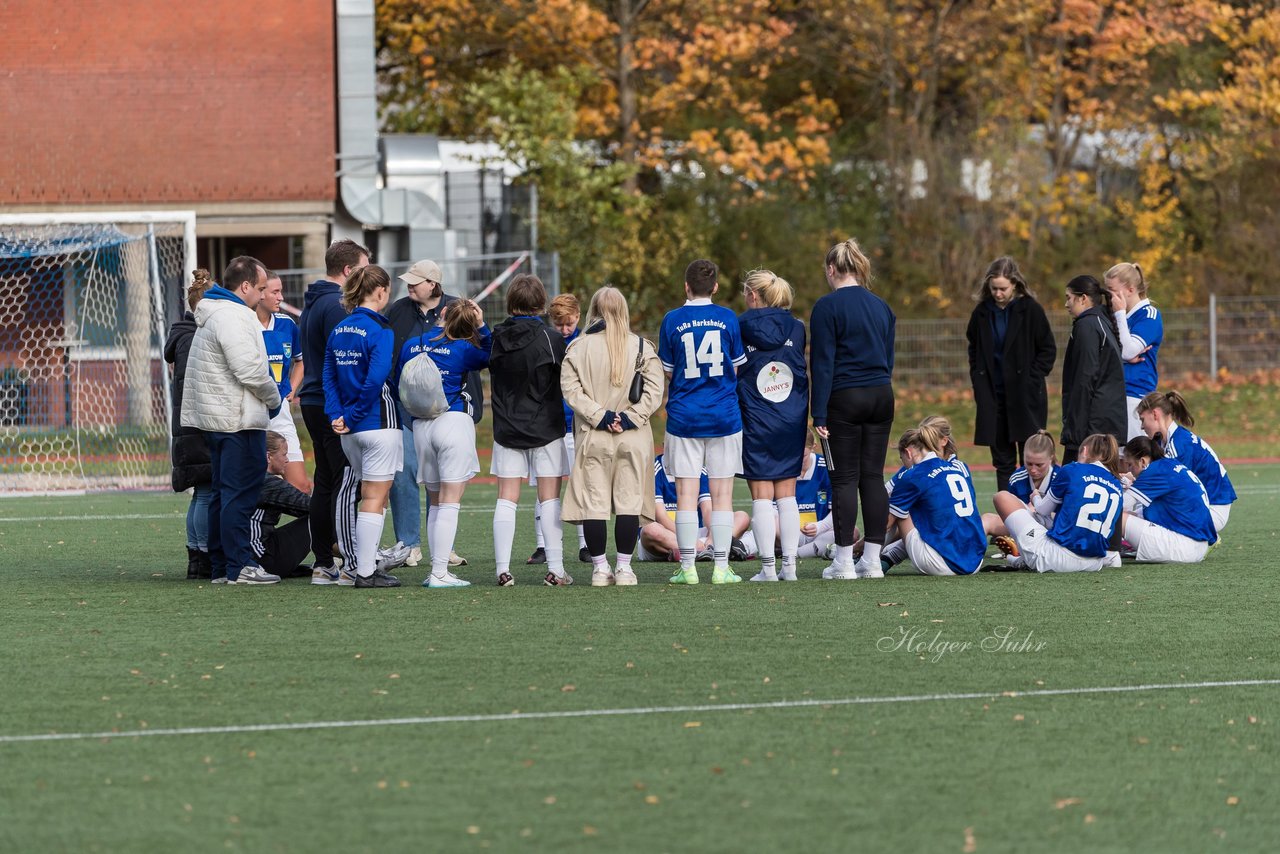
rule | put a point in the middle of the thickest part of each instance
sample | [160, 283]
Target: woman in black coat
[1092, 371]
[1011, 351]
[190, 451]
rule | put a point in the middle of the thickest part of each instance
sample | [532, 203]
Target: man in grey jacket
[231, 396]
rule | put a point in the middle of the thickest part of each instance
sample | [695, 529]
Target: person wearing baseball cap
[410, 317]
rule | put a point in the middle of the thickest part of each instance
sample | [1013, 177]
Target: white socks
[844, 555]
[721, 536]
[895, 553]
[870, 553]
[432, 513]
[443, 533]
[687, 536]
[537, 524]
[788, 531]
[504, 534]
[763, 525]
[552, 535]
[623, 563]
[368, 535]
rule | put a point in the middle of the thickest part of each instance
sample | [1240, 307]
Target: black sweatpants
[286, 548]
[336, 491]
[859, 421]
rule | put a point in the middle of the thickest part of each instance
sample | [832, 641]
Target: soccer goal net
[85, 300]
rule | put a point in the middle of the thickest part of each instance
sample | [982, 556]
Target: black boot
[198, 564]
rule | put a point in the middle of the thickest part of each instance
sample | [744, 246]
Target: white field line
[642, 710]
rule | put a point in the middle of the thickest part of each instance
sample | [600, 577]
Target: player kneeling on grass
[1086, 496]
[658, 538]
[1167, 517]
[358, 399]
[280, 550]
[936, 510]
[446, 444]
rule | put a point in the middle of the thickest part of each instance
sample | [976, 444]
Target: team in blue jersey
[360, 402]
[1140, 331]
[738, 406]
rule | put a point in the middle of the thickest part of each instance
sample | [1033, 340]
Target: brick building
[228, 108]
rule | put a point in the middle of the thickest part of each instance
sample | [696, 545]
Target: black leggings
[626, 530]
[859, 421]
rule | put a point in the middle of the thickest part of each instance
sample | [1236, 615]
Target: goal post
[86, 299]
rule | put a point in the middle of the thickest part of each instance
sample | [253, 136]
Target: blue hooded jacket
[359, 363]
[773, 394]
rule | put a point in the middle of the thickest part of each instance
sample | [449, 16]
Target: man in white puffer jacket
[231, 396]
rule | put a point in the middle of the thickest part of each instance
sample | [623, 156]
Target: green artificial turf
[103, 633]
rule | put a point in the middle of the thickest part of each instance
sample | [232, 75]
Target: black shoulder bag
[637, 381]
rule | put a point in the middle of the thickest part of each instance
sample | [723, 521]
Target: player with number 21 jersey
[1091, 498]
[700, 346]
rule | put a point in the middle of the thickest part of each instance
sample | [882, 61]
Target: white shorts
[375, 455]
[1220, 513]
[923, 555]
[446, 448]
[284, 425]
[1042, 554]
[721, 456]
[568, 449]
[550, 460]
[1156, 544]
[1131, 409]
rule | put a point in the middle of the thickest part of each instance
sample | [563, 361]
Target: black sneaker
[380, 578]
[584, 555]
[506, 579]
[539, 556]
[738, 550]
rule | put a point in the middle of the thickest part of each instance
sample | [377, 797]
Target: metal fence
[1236, 334]
[467, 276]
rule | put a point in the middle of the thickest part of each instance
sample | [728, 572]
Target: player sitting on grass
[1166, 509]
[700, 346]
[280, 550]
[658, 538]
[933, 502]
[1030, 483]
[1086, 496]
[1164, 417]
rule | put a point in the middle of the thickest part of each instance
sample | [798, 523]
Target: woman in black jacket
[1011, 351]
[190, 451]
[1092, 372]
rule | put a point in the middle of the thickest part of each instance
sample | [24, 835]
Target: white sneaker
[839, 572]
[449, 580]
[1112, 559]
[256, 575]
[346, 577]
[415, 556]
[867, 569]
[785, 574]
[624, 578]
[762, 575]
[603, 578]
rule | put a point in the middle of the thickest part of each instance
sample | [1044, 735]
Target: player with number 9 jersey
[700, 346]
[938, 496]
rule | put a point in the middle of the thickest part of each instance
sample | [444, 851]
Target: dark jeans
[626, 530]
[859, 421]
[239, 464]
[336, 491]
[286, 548]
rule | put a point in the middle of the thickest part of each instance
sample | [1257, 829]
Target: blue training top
[1145, 324]
[1091, 498]
[773, 394]
[1020, 483]
[664, 488]
[1188, 448]
[1174, 498]
[359, 361]
[939, 497]
[852, 332]
[813, 492]
[283, 349]
[700, 346]
[455, 359]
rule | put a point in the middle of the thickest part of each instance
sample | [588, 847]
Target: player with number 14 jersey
[700, 346]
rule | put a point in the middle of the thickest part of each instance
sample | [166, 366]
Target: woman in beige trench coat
[613, 460]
